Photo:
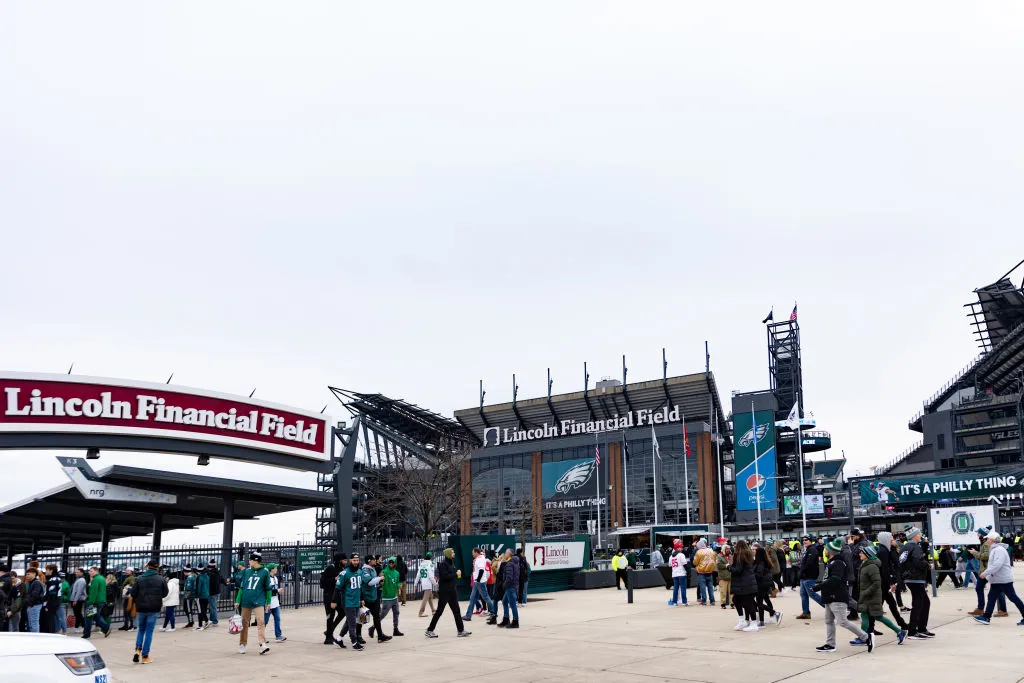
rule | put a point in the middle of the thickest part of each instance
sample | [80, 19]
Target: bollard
[629, 585]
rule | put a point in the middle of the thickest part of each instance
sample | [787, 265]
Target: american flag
[792, 316]
[597, 455]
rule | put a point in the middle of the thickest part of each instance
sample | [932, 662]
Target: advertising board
[755, 484]
[550, 555]
[959, 525]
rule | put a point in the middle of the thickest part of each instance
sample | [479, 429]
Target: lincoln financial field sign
[495, 436]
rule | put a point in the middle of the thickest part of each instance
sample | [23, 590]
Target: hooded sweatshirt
[678, 564]
[999, 568]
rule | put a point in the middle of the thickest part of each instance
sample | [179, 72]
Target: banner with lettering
[909, 488]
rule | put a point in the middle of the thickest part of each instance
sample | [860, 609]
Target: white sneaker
[753, 628]
[171, 630]
[241, 649]
[264, 648]
[163, 630]
[741, 624]
[198, 628]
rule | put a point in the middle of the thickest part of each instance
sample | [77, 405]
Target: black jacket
[512, 573]
[885, 557]
[834, 587]
[743, 580]
[149, 591]
[35, 593]
[328, 578]
[524, 572]
[846, 555]
[763, 575]
[855, 558]
[446, 577]
[809, 565]
[403, 570]
[780, 555]
[216, 581]
[913, 563]
[53, 592]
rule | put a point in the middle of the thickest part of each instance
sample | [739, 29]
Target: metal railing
[898, 459]
[929, 404]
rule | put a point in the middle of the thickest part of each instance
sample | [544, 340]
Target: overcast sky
[409, 197]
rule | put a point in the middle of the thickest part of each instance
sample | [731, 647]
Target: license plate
[100, 678]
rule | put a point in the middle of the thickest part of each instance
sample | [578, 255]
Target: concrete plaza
[594, 635]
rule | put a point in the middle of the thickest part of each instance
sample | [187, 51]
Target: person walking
[619, 566]
[744, 587]
[253, 596]
[706, 563]
[216, 584]
[524, 576]
[835, 594]
[510, 582]
[724, 576]
[274, 610]
[371, 598]
[481, 572]
[328, 581]
[170, 602]
[871, 590]
[981, 555]
[202, 595]
[147, 592]
[390, 594]
[95, 604]
[914, 567]
[127, 604]
[809, 573]
[779, 567]
[947, 563]
[190, 594]
[999, 574]
[447, 575]
[79, 590]
[63, 609]
[425, 581]
[348, 594]
[764, 574]
[888, 563]
[403, 576]
[677, 566]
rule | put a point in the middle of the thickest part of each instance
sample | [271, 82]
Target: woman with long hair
[777, 555]
[744, 587]
[763, 573]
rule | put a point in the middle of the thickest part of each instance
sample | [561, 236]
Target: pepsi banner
[752, 485]
[570, 484]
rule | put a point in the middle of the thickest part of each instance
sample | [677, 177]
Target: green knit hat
[869, 551]
[834, 547]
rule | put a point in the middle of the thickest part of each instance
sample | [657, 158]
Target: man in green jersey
[389, 594]
[253, 596]
[348, 591]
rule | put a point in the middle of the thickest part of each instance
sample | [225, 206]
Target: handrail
[947, 386]
[898, 459]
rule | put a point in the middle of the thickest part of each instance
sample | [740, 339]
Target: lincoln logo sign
[556, 555]
[495, 436]
[70, 404]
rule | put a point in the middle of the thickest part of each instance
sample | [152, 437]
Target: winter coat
[809, 565]
[723, 568]
[97, 591]
[511, 578]
[203, 586]
[705, 561]
[872, 592]
[148, 591]
[982, 555]
[35, 593]
[744, 582]
[913, 563]
[1000, 569]
[847, 556]
[763, 575]
[78, 590]
[855, 549]
[173, 596]
[446, 577]
[780, 557]
[833, 585]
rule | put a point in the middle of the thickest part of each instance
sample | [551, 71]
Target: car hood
[14, 644]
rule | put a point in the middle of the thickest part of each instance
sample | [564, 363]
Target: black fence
[299, 567]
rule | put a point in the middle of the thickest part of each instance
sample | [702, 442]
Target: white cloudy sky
[407, 197]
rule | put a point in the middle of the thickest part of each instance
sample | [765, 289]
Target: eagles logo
[748, 438]
[575, 477]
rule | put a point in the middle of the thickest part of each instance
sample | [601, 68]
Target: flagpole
[597, 467]
[625, 479]
[757, 473]
[686, 472]
[654, 472]
[721, 502]
[800, 450]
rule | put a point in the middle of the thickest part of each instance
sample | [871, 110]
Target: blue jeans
[706, 588]
[145, 622]
[213, 609]
[971, 569]
[511, 598]
[1004, 592]
[102, 623]
[526, 589]
[806, 595]
[60, 619]
[276, 612]
[169, 617]
[678, 587]
[980, 590]
[32, 613]
[480, 592]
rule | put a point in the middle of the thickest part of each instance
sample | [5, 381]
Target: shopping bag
[235, 624]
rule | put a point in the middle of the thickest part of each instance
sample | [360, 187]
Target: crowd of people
[853, 579]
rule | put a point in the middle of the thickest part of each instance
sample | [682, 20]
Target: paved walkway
[590, 636]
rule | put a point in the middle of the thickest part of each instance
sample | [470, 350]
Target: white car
[46, 658]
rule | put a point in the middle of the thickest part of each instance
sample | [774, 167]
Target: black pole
[104, 547]
[158, 519]
[227, 562]
[65, 550]
[629, 585]
[849, 487]
[297, 577]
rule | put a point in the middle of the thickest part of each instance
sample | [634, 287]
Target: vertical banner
[748, 483]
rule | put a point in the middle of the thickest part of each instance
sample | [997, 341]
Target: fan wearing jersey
[348, 592]
[253, 597]
[481, 573]
[371, 599]
[425, 582]
[882, 491]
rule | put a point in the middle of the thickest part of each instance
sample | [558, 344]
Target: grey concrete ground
[595, 635]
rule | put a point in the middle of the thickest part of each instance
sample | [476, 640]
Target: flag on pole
[770, 317]
[597, 455]
[793, 420]
[686, 441]
[792, 316]
[654, 442]
[625, 450]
